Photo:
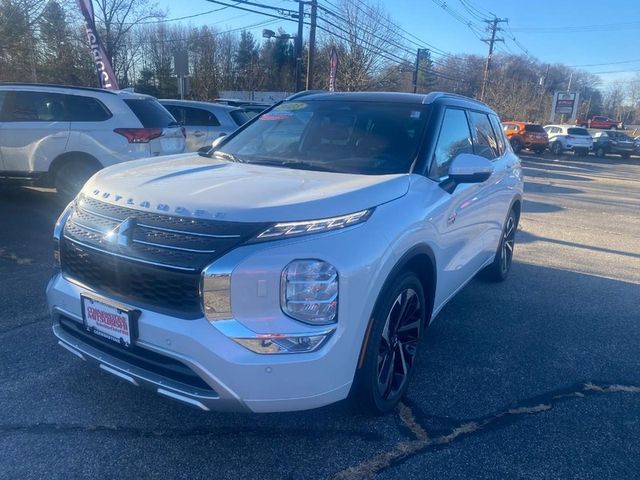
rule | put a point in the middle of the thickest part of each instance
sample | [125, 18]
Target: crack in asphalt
[12, 257]
[424, 442]
[46, 317]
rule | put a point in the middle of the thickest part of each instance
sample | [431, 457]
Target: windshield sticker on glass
[276, 116]
[292, 106]
[415, 114]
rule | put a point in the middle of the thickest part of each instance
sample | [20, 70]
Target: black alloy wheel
[398, 344]
[508, 244]
[499, 269]
[391, 346]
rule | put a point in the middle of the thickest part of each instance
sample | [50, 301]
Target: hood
[193, 186]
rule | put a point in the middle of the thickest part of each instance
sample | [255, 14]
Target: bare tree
[364, 36]
[116, 19]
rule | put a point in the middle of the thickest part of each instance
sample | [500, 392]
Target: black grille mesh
[159, 267]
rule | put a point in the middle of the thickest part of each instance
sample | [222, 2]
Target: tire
[556, 148]
[582, 152]
[516, 145]
[391, 348]
[70, 177]
[600, 152]
[499, 269]
[539, 151]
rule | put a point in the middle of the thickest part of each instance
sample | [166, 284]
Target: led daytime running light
[289, 229]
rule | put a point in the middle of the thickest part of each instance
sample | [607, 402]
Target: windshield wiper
[293, 164]
[226, 156]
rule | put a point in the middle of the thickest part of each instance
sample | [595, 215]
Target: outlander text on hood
[296, 264]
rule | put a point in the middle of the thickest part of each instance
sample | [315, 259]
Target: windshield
[348, 137]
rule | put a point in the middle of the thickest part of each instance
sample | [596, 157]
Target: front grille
[140, 357]
[155, 262]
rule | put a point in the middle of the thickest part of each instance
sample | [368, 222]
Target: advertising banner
[334, 70]
[103, 66]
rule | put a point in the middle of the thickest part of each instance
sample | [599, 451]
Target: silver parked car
[205, 121]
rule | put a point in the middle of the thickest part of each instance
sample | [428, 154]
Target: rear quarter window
[150, 113]
[86, 109]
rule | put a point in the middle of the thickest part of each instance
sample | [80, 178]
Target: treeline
[44, 41]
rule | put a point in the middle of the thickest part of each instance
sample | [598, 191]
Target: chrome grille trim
[133, 259]
[180, 249]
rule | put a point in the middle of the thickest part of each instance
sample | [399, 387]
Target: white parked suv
[205, 121]
[61, 136]
[569, 137]
[299, 262]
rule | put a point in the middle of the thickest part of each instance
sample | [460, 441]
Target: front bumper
[228, 376]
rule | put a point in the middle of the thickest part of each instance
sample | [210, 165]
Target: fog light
[276, 343]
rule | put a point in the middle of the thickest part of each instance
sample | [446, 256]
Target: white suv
[205, 121]
[62, 135]
[569, 137]
[297, 264]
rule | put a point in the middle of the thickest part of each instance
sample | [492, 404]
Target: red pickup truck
[600, 122]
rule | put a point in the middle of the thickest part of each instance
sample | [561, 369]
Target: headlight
[57, 233]
[309, 291]
[290, 229]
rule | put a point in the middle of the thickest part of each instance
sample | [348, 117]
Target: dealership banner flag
[103, 65]
[333, 70]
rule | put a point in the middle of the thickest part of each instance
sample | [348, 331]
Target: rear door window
[495, 123]
[240, 117]
[199, 117]
[35, 107]
[150, 113]
[485, 143]
[454, 139]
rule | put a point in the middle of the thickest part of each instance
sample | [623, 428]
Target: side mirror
[470, 168]
[217, 141]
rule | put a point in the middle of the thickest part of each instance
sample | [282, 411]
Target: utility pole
[493, 26]
[417, 70]
[312, 44]
[299, 46]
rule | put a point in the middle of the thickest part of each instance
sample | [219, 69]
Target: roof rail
[304, 93]
[433, 96]
[51, 85]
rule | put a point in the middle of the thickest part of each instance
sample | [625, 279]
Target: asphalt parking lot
[538, 377]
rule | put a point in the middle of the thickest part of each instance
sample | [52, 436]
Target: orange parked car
[526, 135]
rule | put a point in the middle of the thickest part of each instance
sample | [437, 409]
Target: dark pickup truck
[600, 122]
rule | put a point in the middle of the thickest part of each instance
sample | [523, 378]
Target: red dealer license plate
[108, 321]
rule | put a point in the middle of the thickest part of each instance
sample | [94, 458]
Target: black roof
[393, 97]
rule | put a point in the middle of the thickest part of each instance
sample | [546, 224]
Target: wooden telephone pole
[493, 28]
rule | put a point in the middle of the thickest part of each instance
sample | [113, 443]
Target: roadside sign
[564, 103]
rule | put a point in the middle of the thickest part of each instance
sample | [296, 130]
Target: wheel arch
[420, 260]
[69, 156]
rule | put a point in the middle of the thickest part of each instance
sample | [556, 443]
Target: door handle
[198, 133]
